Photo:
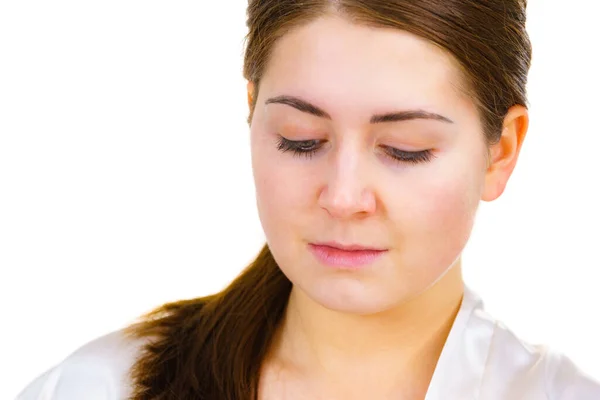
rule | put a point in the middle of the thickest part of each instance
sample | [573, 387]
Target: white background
[125, 177]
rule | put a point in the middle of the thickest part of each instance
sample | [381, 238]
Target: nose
[347, 191]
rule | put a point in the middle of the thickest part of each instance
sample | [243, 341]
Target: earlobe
[504, 154]
[250, 89]
[251, 99]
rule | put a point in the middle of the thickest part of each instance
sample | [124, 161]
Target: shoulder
[99, 370]
[566, 381]
[521, 370]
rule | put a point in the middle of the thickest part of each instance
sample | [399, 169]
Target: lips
[351, 247]
[345, 256]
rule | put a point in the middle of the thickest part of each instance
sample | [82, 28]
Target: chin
[351, 297]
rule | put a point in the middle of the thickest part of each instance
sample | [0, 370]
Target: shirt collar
[460, 368]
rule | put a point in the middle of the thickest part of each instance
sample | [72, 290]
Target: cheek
[280, 194]
[450, 209]
[449, 196]
[442, 215]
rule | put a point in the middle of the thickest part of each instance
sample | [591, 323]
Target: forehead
[355, 70]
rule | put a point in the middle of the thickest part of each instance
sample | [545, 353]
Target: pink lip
[353, 256]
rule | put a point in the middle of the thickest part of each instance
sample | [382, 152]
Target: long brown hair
[213, 347]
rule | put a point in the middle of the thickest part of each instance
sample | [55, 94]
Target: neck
[400, 344]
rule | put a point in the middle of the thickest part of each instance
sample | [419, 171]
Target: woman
[376, 129]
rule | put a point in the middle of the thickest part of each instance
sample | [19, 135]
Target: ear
[251, 94]
[250, 88]
[504, 154]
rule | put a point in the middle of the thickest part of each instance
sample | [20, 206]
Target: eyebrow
[396, 116]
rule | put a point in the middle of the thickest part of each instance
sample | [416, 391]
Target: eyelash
[308, 148]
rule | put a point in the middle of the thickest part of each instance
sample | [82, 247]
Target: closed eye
[413, 157]
[308, 148]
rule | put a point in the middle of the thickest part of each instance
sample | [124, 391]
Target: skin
[376, 332]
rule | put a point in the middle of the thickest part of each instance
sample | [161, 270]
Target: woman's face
[351, 184]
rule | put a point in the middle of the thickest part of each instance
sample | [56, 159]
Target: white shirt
[481, 359]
